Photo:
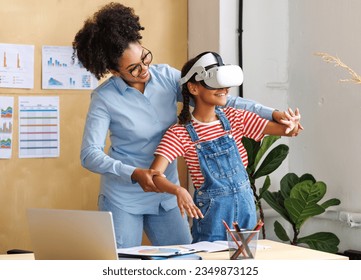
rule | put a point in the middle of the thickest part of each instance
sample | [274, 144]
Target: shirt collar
[120, 84]
[123, 86]
[203, 123]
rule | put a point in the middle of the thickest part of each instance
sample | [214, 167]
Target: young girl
[210, 141]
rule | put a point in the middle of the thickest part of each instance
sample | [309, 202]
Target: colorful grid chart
[38, 127]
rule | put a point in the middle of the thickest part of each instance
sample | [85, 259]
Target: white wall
[265, 61]
[279, 40]
[213, 26]
[330, 146]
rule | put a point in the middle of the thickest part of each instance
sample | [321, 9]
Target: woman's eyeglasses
[146, 59]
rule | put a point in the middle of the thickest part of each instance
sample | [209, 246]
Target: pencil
[258, 226]
[230, 232]
[234, 256]
[238, 230]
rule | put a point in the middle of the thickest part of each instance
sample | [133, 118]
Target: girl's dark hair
[185, 114]
[102, 40]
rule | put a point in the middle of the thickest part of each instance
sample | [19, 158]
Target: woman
[210, 140]
[136, 106]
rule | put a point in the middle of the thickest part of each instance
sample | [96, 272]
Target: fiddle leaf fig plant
[297, 201]
[256, 151]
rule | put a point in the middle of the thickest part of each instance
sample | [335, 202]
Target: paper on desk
[215, 246]
[154, 251]
[207, 246]
[263, 247]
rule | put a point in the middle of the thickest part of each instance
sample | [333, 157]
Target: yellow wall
[62, 182]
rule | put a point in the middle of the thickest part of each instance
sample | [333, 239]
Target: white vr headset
[218, 76]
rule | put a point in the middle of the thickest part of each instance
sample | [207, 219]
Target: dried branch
[337, 62]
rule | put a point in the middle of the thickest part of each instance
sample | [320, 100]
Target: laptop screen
[72, 234]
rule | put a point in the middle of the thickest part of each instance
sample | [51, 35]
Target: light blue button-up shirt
[136, 123]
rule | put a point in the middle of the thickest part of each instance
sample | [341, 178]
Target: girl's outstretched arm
[184, 199]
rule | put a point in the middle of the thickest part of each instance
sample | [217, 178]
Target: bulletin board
[61, 182]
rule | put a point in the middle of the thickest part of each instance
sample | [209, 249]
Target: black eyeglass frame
[139, 66]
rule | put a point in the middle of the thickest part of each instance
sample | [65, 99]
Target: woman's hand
[144, 177]
[186, 204]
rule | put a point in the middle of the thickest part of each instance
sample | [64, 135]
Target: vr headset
[213, 74]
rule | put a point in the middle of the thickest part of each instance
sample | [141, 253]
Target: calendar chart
[39, 127]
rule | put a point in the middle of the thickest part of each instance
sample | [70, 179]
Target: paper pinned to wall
[59, 71]
[39, 131]
[6, 126]
[16, 66]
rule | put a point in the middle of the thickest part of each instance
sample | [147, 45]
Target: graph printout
[60, 72]
[16, 66]
[6, 126]
[39, 131]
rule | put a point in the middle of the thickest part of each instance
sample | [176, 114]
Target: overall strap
[192, 132]
[224, 121]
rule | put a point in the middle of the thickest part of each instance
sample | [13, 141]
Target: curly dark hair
[102, 40]
[185, 116]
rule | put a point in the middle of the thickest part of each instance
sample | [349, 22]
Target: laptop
[72, 234]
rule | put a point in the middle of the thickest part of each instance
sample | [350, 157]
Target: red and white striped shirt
[176, 141]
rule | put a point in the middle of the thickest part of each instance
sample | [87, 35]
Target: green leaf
[290, 180]
[287, 183]
[280, 231]
[266, 185]
[306, 177]
[322, 241]
[330, 202]
[299, 210]
[275, 200]
[252, 148]
[308, 191]
[265, 144]
[272, 161]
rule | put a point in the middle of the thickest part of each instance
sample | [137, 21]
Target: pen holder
[242, 245]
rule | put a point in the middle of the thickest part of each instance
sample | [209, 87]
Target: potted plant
[296, 201]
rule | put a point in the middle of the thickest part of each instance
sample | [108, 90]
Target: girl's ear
[192, 88]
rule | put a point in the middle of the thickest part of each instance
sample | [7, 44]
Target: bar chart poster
[39, 131]
[16, 66]
[59, 71]
[6, 126]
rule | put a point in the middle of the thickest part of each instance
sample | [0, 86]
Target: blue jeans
[166, 228]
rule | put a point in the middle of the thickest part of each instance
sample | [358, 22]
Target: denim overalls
[226, 193]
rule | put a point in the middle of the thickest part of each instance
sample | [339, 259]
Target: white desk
[27, 256]
[270, 250]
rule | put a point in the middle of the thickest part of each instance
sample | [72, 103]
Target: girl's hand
[186, 204]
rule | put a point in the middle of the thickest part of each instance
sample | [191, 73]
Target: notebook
[72, 234]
